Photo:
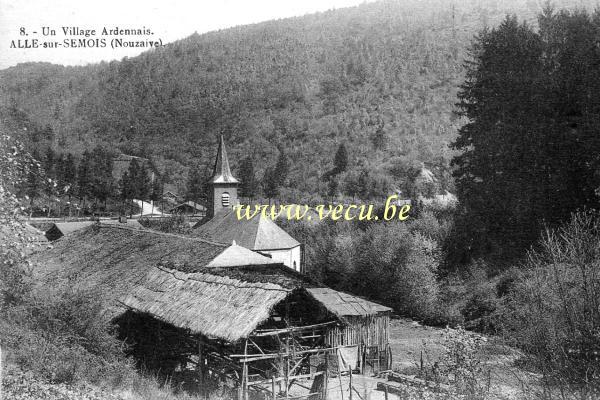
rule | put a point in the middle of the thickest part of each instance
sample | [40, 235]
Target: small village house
[189, 208]
[171, 198]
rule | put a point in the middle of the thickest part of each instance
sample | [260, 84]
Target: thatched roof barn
[215, 306]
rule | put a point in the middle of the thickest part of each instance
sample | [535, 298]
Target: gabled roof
[187, 282]
[190, 204]
[215, 306]
[68, 227]
[232, 306]
[345, 305]
[235, 256]
[222, 172]
[258, 233]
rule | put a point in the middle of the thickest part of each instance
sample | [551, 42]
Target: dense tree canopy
[530, 149]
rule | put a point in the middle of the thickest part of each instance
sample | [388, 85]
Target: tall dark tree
[528, 153]
[282, 167]
[378, 138]
[332, 187]
[50, 161]
[276, 176]
[84, 176]
[69, 174]
[157, 191]
[197, 188]
[247, 178]
[125, 190]
[269, 183]
[101, 163]
[144, 184]
[340, 161]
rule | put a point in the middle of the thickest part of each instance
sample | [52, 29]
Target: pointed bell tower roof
[222, 172]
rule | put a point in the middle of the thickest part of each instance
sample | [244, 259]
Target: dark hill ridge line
[380, 77]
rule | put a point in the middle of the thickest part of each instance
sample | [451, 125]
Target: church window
[225, 199]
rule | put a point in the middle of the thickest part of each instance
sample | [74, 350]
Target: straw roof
[344, 304]
[208, 288]
[232, 306]
[113, 258]
[215, 306]
[258, 233]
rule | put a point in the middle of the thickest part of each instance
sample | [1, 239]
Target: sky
[169, 20]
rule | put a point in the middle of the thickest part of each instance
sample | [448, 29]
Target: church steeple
[222, 172]
[223, 184]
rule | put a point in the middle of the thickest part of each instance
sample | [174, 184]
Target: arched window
[225, 199]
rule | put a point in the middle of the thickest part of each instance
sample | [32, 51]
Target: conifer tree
[247, 178]
[340, 162]
[529, 151]
[197, 189]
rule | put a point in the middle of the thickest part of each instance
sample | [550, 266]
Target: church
[259, 234]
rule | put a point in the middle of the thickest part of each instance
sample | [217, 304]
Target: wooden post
[273, 388]
[350, 369]
[287, 364]
[339, 374]
[325, 377]
[200, 366]
[245, 372]
[385, 391]
[245, 380]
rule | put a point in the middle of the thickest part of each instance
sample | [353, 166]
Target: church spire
[222, 172]
[223, 185]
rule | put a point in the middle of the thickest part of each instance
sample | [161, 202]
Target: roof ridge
[192, 238]
[220, 279]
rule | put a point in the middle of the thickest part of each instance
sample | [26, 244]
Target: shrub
[479, 309]
[462, 364]
[64, 337]
[175, 223]
[553, 312]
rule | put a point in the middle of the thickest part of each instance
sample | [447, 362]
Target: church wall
[287, 256]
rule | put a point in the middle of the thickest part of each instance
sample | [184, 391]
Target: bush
[175, 223]
[479, 309]
[553, 312]
[64, 337]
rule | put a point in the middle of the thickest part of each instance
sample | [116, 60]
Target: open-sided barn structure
[240, 319]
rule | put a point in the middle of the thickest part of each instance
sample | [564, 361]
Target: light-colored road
[147, 209]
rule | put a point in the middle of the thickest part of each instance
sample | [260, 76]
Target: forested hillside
[381, 78]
